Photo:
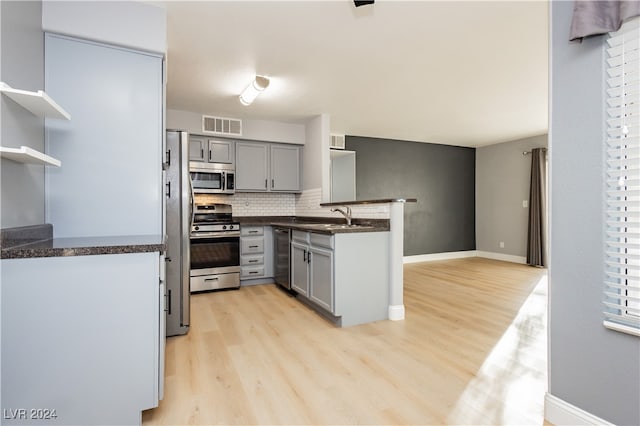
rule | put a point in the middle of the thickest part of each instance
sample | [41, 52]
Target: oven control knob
[196, 228]
[224, 226]
[230, 226]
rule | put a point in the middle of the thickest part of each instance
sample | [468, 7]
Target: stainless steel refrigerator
[178, 213]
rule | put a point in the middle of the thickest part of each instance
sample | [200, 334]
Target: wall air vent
[337, 141]
[221, 125]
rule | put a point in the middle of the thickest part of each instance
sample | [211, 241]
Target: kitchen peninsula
[73, 301]
[362, 261]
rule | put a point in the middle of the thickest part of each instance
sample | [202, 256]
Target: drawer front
[252, 260]
[252, 245]
[321, 240]
[300, 236]
[252, 272]
[251, 231]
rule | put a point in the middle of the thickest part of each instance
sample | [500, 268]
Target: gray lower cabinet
[256, 252]
[299, 268]
[267, 167]
[82, 335]
[345, 274]
[312, 267]
[321, 277]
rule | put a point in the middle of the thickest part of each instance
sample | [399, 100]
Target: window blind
[622, 224]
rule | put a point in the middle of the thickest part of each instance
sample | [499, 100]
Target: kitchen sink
[336, 226]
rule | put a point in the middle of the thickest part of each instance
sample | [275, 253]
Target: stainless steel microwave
[212, 178]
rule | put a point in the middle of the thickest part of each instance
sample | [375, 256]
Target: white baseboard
[396, 312]
[560, 412]
[462, 254]
[439, 256]
[504, 257]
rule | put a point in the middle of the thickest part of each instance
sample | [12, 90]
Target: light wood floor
[472, 350]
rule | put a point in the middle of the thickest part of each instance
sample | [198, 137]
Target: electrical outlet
[525, 204]
[501, 244]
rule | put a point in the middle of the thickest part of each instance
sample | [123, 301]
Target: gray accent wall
[22, 67]
[591, 367]
[441, 177]
[503, 176]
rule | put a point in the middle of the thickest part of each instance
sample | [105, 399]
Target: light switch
[525, 203]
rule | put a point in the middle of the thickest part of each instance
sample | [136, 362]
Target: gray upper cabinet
[251, 167]
[264, 167]
[197, 147]
[211, 150]
[285, 168]
[221, 151]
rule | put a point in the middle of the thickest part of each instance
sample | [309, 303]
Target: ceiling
[459, 73]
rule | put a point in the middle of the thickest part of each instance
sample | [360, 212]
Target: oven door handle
[215, 235]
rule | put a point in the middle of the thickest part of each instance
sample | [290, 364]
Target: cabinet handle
[209, 155]
[253, 272]
[201, 153]
[309, 257]
[253, 246]
[168, 192]
[304, 256]
[253, 261]
[265, 184]
[272, 183]
[167, 158]
[253, 232]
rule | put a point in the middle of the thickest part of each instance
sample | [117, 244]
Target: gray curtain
[537, 236]
[593, 17]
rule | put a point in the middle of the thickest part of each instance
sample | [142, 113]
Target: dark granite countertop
[17, 248]
[380, 201]
[322, 225]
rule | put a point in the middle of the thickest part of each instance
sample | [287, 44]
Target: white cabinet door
[321, 277]
[299, 268]
[251, 167]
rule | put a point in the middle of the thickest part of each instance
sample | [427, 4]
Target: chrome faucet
[346, 214]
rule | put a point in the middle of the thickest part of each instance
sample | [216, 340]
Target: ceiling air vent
[221, 125]
[337, 141]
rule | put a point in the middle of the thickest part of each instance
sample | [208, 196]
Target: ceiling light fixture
[252, 91]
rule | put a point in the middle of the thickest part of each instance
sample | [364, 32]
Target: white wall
[125, 23]
[22, 52]
[315, 160]
[502, 182]
[260, 130]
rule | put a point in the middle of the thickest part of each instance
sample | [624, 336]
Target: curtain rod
[529, 152]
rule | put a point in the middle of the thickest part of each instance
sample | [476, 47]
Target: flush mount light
[252, 91]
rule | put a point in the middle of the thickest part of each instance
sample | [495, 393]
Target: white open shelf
[24, 154]
[39, 103]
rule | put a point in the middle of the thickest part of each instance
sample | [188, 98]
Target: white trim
[622, 328]
[503, 257]
[560, 412]
[396, 312]
[464, 254]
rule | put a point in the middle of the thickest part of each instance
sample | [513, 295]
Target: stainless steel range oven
[215, 248]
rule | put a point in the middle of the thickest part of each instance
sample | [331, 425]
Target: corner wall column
[396, 251]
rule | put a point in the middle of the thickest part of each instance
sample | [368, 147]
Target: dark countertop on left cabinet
[37, 241]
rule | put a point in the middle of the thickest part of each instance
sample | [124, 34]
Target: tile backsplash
[257, 203]
[281, 204]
